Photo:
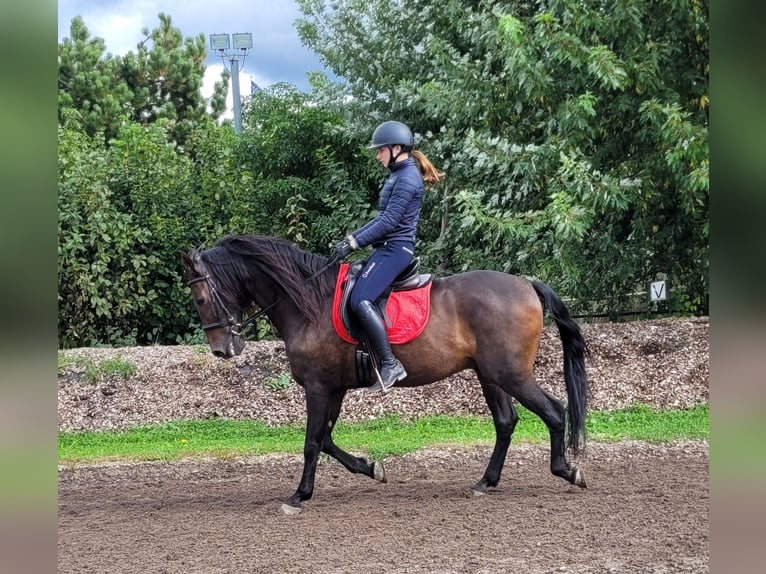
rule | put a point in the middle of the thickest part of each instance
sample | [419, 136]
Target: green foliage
[139, 158]
[110, 368]
[574, 137]
[122, 218]
[88, 81]
[67, 362]
[311, 183]
[278, 382]
[96, 247]
[128, 205]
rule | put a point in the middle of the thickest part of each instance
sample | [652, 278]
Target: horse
[484, 320]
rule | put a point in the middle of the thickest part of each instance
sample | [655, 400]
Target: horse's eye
[200, 301]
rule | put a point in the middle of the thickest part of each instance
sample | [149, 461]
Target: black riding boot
[391, 370]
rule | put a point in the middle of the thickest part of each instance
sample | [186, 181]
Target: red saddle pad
[407, 310]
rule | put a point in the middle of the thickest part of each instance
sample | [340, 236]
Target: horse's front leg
[352, 463]
[318, 409]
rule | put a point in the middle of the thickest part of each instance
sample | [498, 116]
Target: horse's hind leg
[504, 417]
[553, 413]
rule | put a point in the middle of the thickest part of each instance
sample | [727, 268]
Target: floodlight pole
[242, 43]
[235, 94]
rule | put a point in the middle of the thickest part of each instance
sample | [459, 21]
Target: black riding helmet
[392, 133]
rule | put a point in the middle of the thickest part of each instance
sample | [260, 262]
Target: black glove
[343, 248]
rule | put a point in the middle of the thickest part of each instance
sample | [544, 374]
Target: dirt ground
[645, 511]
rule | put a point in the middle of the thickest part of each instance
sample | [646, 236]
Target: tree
[161, 80]
[89, 83]
[313, 181]
[574, 133]
[128, 205]
[124, 214]
[134, 132]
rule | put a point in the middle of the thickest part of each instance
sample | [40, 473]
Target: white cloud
[119, 22]
[124, 32]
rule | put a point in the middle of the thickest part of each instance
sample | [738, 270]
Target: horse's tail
[575, 350]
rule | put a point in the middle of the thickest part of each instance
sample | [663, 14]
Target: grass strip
[386, 436]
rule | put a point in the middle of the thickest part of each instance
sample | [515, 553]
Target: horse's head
[221, 326]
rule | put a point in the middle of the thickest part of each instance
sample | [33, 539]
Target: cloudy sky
[277, 54]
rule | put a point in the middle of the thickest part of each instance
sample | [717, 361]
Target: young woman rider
[392, 234]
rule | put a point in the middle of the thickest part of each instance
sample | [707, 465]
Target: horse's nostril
[219, 353]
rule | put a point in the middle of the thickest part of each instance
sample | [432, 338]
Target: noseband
[217, 300]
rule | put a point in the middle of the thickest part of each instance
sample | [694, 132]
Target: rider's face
[383, 154]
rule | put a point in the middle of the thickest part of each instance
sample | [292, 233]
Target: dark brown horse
[482, 320]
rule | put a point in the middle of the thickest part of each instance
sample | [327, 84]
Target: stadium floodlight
[219, 42]
[243, 41]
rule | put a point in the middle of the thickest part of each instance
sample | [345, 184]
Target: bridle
[239, 328]
[217, 300]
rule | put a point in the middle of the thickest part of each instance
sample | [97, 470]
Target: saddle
[404, 306]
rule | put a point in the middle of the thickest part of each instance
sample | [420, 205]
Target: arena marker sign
[658, 291]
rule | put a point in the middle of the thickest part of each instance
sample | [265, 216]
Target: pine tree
[159, 82]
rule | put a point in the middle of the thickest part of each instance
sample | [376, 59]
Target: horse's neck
[283, 315]
[287, 316]
[300, 333]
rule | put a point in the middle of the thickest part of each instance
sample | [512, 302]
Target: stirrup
[378, 385]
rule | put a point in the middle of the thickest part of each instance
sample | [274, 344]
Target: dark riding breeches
[383, 266]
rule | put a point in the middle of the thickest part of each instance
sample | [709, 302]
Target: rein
[239, 328]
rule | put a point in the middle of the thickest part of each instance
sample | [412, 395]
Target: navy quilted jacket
[399, 211]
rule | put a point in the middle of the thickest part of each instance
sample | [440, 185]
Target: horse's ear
[189, 258]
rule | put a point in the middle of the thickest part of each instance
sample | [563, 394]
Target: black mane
[236, 262]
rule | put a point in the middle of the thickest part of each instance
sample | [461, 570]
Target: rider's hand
[343, 248]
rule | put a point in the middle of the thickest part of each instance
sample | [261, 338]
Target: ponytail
[431, 175]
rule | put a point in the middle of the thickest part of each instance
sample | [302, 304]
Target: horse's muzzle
[234, 347]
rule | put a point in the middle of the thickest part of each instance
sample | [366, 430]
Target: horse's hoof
[480, 488]
[579, 479]
[378, 472]
[287, 509]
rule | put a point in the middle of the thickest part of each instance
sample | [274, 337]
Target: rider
[392, 235]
